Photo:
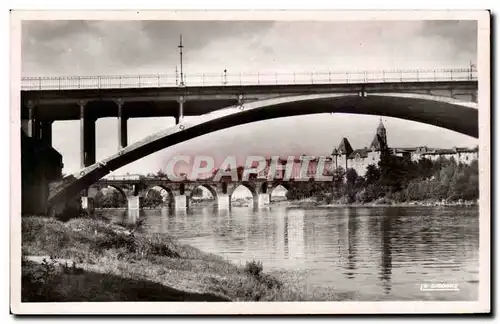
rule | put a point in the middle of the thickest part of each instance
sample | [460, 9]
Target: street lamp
[180, 52]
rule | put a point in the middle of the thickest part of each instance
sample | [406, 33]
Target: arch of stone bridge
[250, 186]
[277, 184]
[169, 191]
[444, 112]
[210, 188]
[93, 191]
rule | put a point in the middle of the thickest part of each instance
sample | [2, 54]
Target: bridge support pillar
[87, 138]
[223, 201]
[181, 202]
[122, 126]
[134, 202]
[46, 132]
[87, 204]
[263, 199]
[33, 123]
[180, 115]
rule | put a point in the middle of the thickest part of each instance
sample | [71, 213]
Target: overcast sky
[132, 47]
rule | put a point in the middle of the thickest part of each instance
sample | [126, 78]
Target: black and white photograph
[182, 158]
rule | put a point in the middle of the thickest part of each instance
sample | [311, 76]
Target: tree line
[396, 179]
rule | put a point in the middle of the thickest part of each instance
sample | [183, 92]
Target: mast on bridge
[180, 52]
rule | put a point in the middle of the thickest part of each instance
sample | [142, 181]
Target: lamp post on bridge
[471, 67]
[180, 53]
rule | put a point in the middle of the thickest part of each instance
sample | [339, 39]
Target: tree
[161, 174]
[351, 176]
[153, 199]
[198, 192]
[239, 171]
[372, 174]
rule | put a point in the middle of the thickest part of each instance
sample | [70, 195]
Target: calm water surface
[375, 253]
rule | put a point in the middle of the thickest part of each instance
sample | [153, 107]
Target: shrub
[254, 268]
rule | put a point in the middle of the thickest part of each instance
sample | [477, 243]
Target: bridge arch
[166, 188]
[443, 112]
[210, 188]
[250, 187]
[97, 191]
[93, 193]
[275, 185]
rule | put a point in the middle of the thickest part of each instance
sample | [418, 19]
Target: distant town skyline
[133, 47]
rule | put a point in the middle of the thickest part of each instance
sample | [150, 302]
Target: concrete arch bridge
[443, 98]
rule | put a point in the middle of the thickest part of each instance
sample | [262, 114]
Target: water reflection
[374, 252]
[352, 231]
[386, 267]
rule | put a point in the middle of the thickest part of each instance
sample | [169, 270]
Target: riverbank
[311, 202]
[87, 259]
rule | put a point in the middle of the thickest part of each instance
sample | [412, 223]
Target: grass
[113, 262]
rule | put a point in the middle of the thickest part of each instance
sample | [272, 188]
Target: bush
[254, 268]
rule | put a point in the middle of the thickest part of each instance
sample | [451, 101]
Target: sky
[52, 48]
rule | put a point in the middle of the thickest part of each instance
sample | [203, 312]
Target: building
[347, 158]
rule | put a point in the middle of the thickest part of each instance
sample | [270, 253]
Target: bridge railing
[243, 79]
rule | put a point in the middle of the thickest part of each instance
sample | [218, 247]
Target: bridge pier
[134, 202]
[181, 202]
[180, 115]
[87, 137]
[223, 201]
[33, 123]
[263, 199]
[87, 204]
[46, 132]
[122, 126]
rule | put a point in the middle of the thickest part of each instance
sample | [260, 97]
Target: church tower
[379, 142]
[382, 132]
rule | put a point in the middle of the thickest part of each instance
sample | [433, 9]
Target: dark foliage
[396, 179]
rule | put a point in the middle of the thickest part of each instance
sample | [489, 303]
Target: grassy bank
[88, 259]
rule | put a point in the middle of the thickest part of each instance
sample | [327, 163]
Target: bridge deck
[56, 98]
[244, 79]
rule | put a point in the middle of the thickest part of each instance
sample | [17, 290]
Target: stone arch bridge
[180, 193]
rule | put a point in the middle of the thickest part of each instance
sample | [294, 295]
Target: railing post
[294, 82]
[258, 77]
[451, 75]
[365, 76]
[78, 82]
[383, 76]
[312, 77]
[99, 82]
[329, 77]
[347, 77]
[158, 76]
[203, 79]
[417, 76]
[120, 80]
[401, 75]
[276, 75]
[434, 72]
[139, 81]
[59, 82]
[40, 83]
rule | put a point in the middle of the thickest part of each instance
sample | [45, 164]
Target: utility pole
[180, 51]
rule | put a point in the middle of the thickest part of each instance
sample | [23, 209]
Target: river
[365, 253]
